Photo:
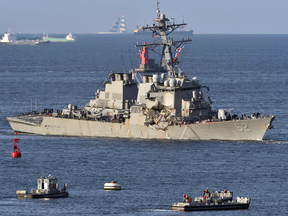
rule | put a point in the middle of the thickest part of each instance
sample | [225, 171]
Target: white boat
[114, 185]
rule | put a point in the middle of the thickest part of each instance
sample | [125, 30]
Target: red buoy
[16, 152]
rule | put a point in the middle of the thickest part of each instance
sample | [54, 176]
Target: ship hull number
[242, 127]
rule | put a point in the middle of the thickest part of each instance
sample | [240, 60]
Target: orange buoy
[16, 152]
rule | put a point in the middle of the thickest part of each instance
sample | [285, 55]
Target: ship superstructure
[8, 37]
[176, 107]
[147, 64]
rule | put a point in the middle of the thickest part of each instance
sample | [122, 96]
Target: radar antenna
[163, 28]
[158, 10]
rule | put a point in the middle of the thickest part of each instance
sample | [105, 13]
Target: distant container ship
[69, 38]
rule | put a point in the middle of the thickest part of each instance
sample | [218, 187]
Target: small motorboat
[47, 188]
[114, 185]
[214, 201]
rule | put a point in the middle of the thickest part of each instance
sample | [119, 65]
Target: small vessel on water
[113, 185]
[158, 107]
[116, 28]
[11, 39]
[147, 65]
[47, 188]
[69, 38]
[214, 201]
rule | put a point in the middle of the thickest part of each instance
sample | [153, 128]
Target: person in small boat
[186, 198]
[207, 193]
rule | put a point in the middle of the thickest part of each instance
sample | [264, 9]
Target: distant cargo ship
[10, 39]
[69, 38]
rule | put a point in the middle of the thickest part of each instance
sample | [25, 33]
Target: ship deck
[32, 118]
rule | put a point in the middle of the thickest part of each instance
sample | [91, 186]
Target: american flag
[139, 53]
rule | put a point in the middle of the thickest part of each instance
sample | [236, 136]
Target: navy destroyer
[158, 107]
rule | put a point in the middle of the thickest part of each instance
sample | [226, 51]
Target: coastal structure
[158, 107]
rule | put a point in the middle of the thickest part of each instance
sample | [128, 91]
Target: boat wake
[281, 142]
[155, 210]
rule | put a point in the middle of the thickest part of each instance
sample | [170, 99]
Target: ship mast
[163, 29]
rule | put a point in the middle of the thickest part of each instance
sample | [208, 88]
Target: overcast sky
[91, 16]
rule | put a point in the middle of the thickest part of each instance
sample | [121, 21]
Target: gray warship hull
[250, 129]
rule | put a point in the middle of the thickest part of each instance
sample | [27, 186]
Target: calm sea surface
[245, 72]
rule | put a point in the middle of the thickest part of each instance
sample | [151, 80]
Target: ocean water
[244, 72]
